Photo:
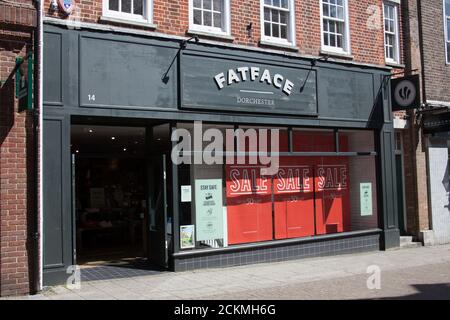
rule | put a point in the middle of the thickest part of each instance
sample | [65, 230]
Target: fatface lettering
[243, 74]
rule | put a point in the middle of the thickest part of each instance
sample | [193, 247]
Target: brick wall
[171, 17]
[436, 72]
[414, 156]
[16, 158]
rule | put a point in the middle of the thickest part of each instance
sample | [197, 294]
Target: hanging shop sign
[208, 209]
[230, 85]
[405, 93]
[24, 82]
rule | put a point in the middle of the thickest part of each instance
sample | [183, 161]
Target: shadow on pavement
[438, 291]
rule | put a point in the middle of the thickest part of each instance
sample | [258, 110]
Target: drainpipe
[37, 138]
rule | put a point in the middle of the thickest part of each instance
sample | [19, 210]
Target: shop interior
[110, 192]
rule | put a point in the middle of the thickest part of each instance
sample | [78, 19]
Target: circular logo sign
[405, 93]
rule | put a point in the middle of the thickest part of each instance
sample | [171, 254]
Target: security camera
[54, 5]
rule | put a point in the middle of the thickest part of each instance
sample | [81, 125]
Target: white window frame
[396, 33]
[446, 40]
[146, 18]
[226, 16]
[347, 49]
[290, 41]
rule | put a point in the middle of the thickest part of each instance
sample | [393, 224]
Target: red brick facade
[172, 18]
[17, 21]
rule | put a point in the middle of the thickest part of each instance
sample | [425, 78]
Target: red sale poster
[309, 194]
[331, 180]
[294, 199]
[249, 204]
[332, 195]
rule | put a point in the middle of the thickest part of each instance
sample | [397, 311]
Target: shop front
[201, 156]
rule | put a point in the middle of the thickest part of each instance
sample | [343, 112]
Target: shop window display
[309, 195]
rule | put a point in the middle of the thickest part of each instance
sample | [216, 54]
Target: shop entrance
[119, 194]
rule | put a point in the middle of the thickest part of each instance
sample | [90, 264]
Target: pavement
[414, 273]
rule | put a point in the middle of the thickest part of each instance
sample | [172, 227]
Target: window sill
[191, 32]
[395, 65]
[129, 22]
[336, 54]
[278, 45]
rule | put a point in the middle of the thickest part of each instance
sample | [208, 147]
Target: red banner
[294, 199]
[249, 204]
[310, 195]
[332, 196]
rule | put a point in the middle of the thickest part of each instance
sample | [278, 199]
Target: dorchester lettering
[243, 74]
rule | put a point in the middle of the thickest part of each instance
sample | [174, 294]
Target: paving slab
[411, 273]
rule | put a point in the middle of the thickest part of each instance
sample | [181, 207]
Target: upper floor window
[136, 10]
[335, 26]
[277, 21]
[447, 28]
[391, 34]
[212, 16]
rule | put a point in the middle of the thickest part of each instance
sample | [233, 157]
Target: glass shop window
[345, 194]
[262, 139]
[356, 141]
[236, 203]
[202, 187]
[311, 140]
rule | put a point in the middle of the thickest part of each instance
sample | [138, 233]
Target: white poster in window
[365, 190]
[208, 209]
[186, 194]
[187, 237]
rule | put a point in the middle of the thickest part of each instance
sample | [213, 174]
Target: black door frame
[149, 159]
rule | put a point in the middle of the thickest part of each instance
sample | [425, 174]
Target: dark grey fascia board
[69, 24]
[185, 116]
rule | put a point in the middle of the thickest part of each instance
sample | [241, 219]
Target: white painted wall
[439, 189]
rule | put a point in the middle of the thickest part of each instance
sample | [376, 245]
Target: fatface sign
[254, 74]
[229, 85]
